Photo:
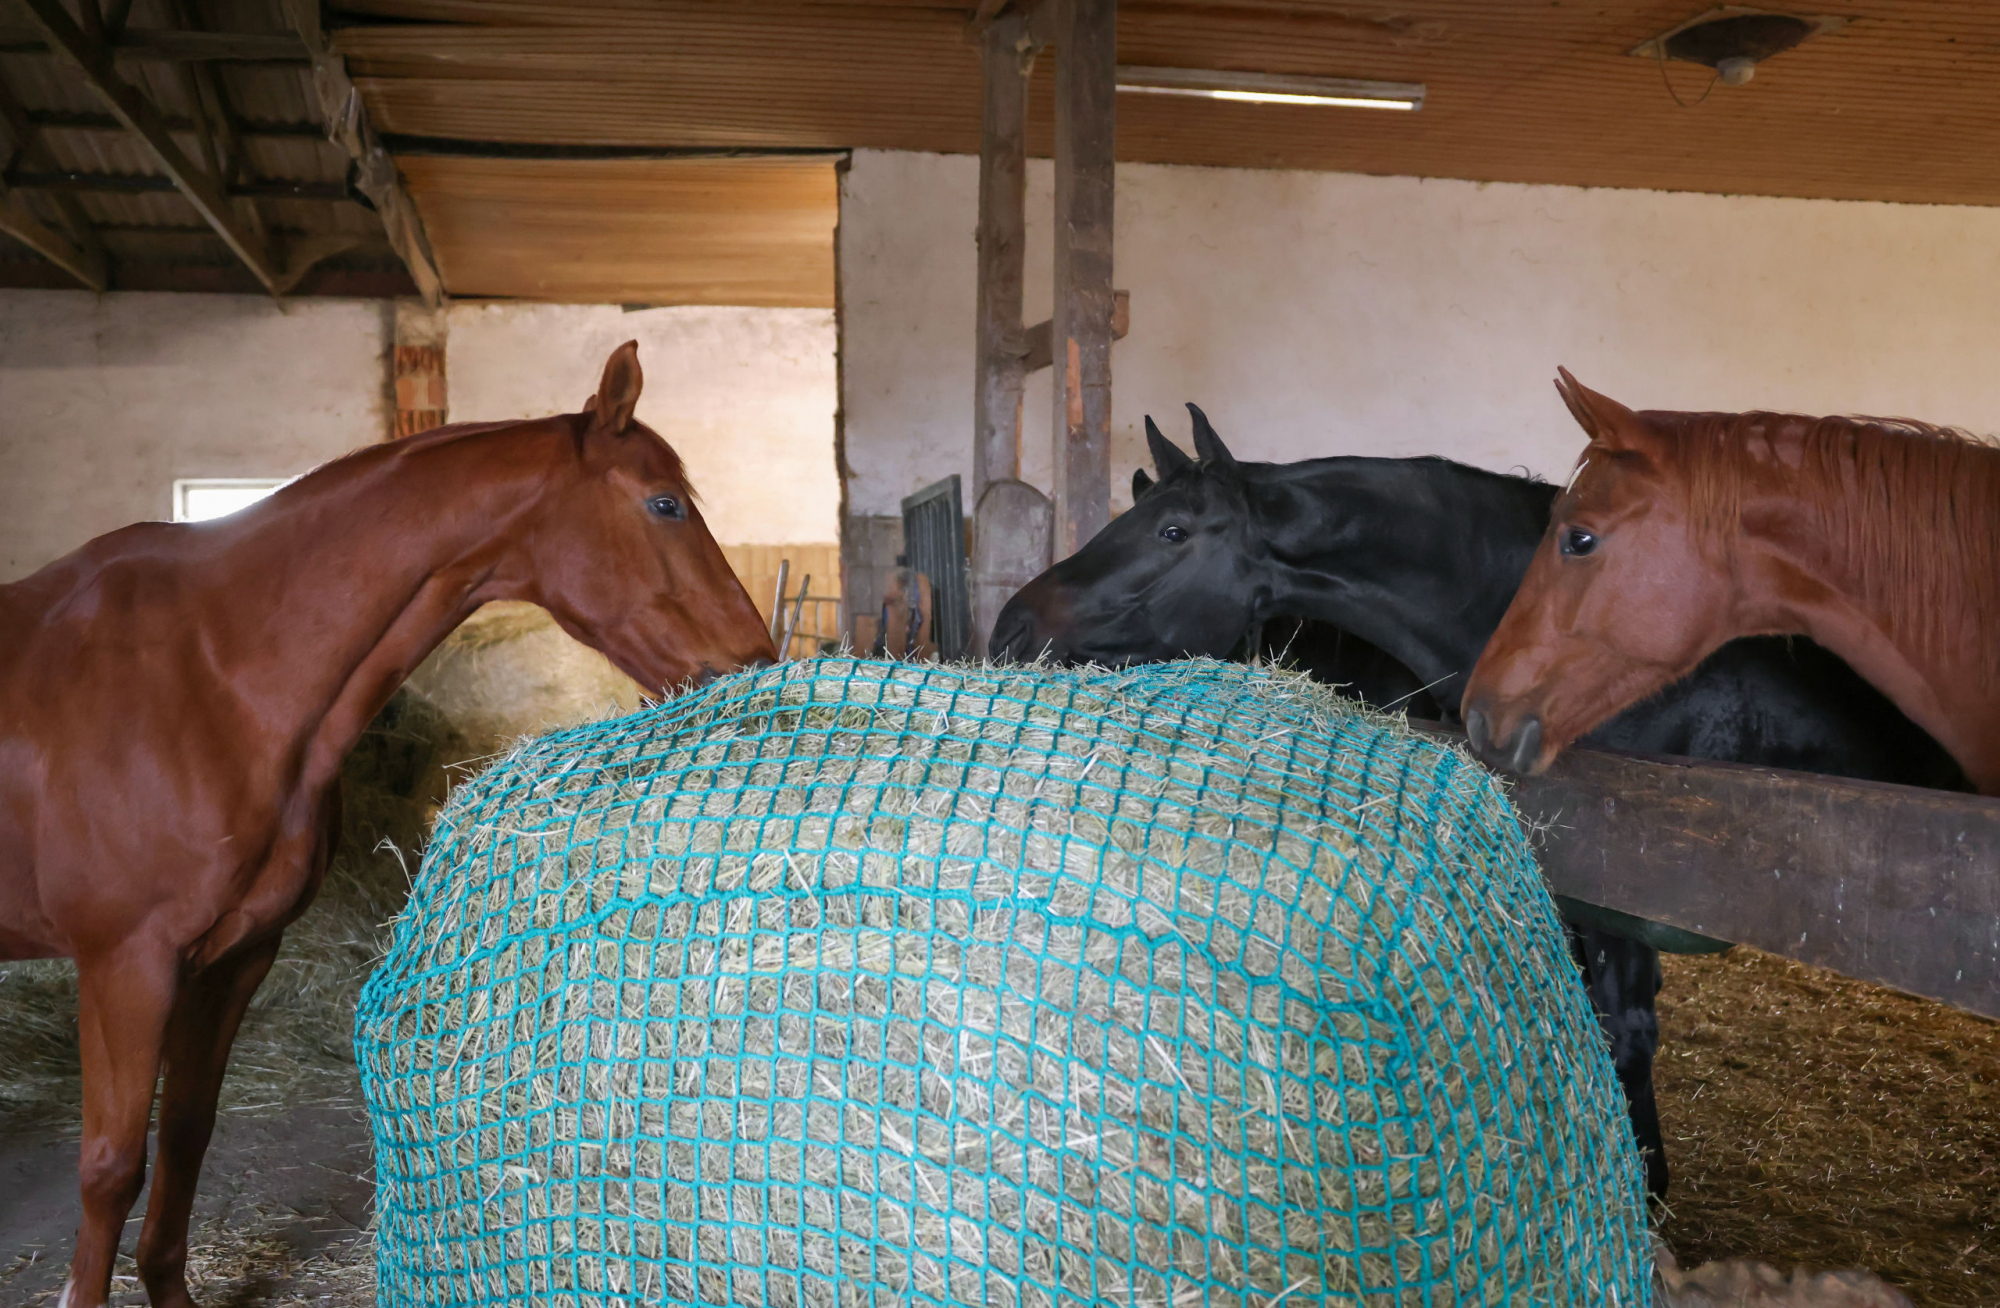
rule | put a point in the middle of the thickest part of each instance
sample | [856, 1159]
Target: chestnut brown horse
[1679, 531]
[176, 700]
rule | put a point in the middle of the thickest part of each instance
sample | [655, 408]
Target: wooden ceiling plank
[708, 231]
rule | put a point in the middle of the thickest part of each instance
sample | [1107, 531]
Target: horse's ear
[618, 393]
[1208, 446]
[1141, 483]
[1167, 456]
[1603, 419]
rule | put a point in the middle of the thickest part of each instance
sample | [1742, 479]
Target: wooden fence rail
[1890, 884]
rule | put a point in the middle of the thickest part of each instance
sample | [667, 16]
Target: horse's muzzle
[1013, 636]
[707, 673]
[1517, 754]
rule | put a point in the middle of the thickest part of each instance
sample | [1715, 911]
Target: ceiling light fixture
[1271, 88]
[1733, 39]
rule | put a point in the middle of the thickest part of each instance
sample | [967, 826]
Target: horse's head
[619, 554]
[1178, 575]
[1625, 595]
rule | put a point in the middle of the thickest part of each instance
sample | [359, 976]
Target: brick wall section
[420, 389]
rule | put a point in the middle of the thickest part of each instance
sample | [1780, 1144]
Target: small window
[196, 499]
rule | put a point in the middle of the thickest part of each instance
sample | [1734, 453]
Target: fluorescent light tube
[1271, 88]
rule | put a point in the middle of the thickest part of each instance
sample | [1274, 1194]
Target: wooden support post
[1086, 91]
[1011, 520]
[1038, 351]
[1889, 884]
[1005, 57]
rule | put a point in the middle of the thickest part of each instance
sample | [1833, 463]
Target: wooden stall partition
[1890, 884]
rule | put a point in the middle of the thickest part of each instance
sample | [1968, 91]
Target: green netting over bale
[853, 982]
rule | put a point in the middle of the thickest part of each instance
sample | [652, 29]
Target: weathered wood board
[1086, 85]
[1890, 884]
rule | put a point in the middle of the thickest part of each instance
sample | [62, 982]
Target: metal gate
[934, 544]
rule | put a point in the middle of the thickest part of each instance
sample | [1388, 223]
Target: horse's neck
[1417, 556]
[357, 576]
[1933, 655]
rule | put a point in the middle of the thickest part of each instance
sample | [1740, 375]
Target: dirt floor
[281, 1219]
[1812, 1119]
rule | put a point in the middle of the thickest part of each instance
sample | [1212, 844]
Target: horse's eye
[666, 506]
[1576, 542]
[1173, 535]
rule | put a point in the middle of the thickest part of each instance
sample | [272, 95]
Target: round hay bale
[852, 982]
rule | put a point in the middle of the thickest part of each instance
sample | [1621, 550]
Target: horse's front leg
[198, 1038]
[123, 998]
[1623, 978]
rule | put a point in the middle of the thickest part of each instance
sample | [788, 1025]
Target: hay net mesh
[850, 982]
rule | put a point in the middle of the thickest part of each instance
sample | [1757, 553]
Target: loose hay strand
[852, 982]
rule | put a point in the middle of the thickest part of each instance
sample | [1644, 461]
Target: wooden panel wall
[757, 568]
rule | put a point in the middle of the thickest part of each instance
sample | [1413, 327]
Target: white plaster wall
[1322, 313]
[105, 399]
[745, 395]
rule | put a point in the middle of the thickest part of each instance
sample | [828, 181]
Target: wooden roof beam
[23, 226]
[375, 171]
[70, 121]
[215, 127]
[80, 253]
[169, 45]
[115, 14]
[66, 182]
[150, 126]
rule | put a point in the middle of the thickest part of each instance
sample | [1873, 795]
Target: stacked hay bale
[509, 671]
[864, 983]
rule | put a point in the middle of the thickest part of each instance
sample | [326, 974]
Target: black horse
[1418, 558]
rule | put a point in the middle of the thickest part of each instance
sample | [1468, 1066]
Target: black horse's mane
[1515, 475]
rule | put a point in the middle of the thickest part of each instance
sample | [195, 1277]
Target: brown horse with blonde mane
[1879, 539]
[176, 700]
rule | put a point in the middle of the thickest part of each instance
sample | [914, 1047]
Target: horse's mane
[1910, 509]
[457, 431]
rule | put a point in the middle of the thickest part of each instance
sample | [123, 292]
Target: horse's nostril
[1527, 745]
[1475, 732]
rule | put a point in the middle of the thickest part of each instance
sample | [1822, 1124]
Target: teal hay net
[873, 983]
